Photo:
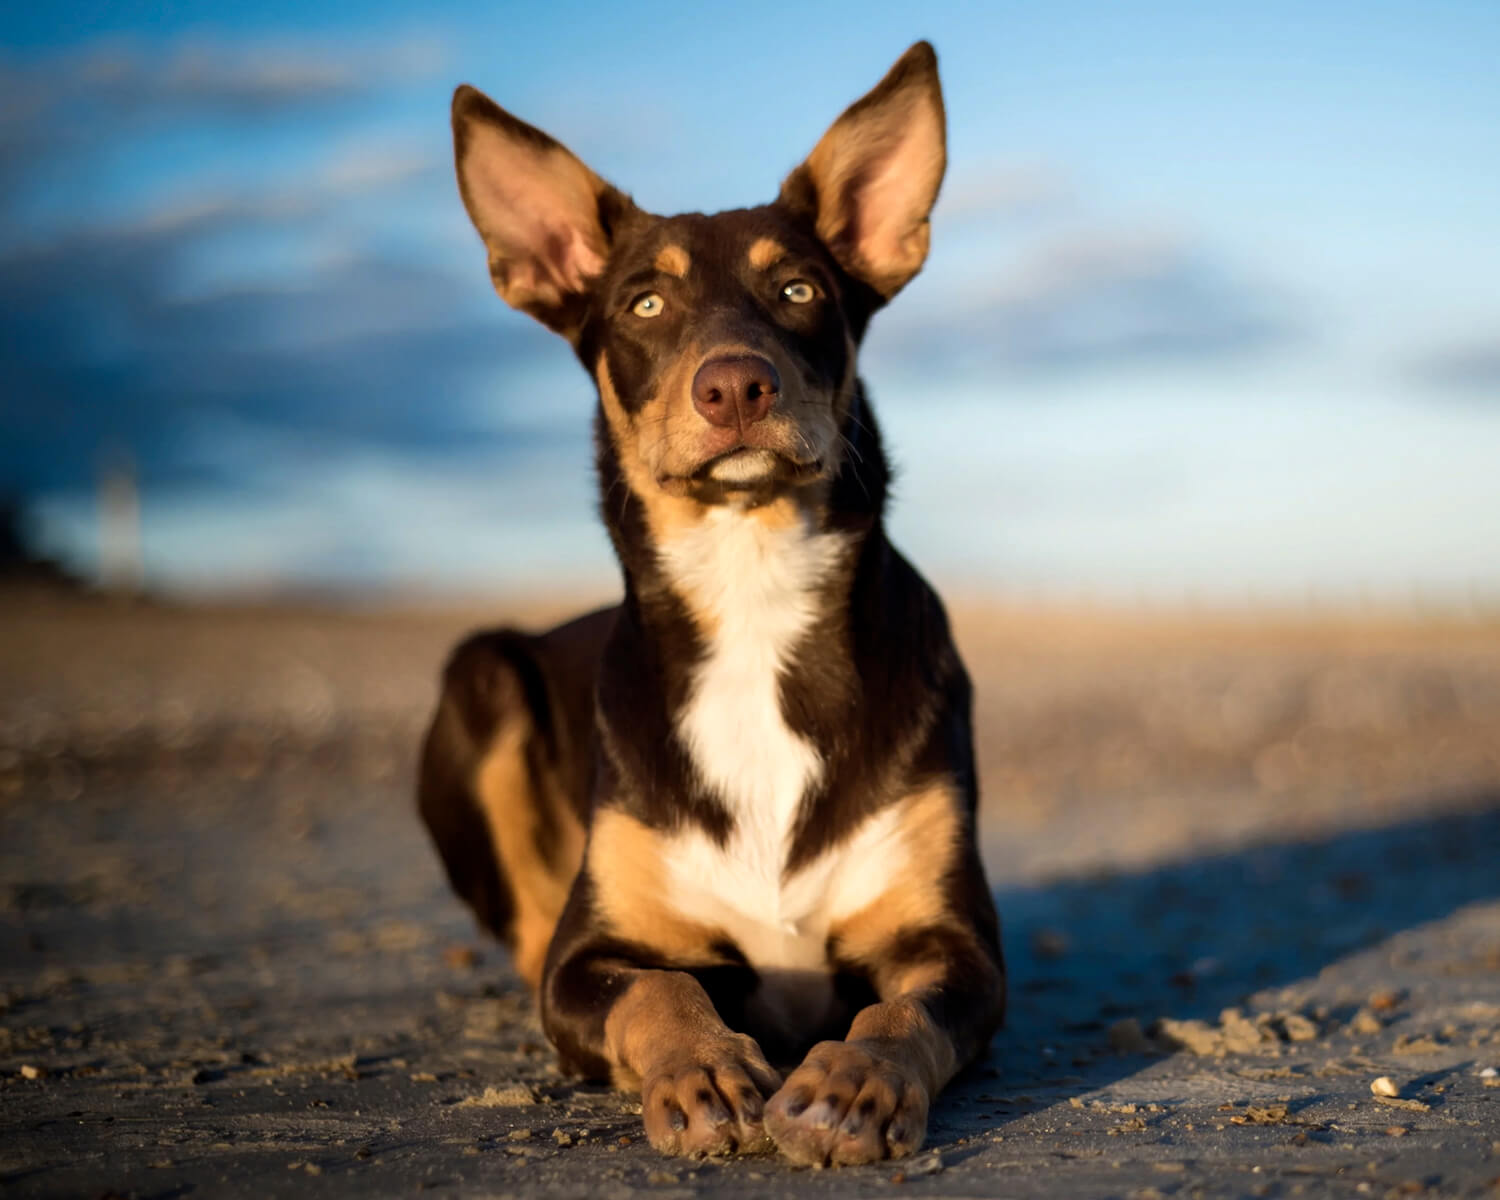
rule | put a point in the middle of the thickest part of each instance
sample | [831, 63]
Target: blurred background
[1211, 312]
[1197, 413]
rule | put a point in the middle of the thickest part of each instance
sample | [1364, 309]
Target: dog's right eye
[648, 305]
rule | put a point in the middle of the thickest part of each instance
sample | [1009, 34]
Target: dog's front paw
[846, 1105]
[709, 1099]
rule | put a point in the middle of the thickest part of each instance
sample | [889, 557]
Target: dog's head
[723, 346]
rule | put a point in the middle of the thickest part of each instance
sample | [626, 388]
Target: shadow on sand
[1189, 939]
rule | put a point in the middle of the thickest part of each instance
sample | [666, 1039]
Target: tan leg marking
[509, 798]
[764, 252]
[703, 1086]
[672, 259]
[931, 831]
[866, 1098]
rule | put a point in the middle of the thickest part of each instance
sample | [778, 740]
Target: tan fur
[661, 1015]
[625, 866]
[906, 1033]
[507, 795]
[673, 260]
[931, 833]
[784, 511]
[664, 512]
[764, 252]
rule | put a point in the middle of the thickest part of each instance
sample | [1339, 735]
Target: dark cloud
[98, 352]
[145, 337]
[63, 105]
[1087, 301]
[1471, 369]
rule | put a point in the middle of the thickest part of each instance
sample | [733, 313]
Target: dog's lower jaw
[743, 467]
[751, 483]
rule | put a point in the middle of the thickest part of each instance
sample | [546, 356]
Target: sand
[1247, 866]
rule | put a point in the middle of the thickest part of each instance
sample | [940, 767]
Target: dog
[727, 827]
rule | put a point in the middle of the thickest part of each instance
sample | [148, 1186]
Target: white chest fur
[754, 588]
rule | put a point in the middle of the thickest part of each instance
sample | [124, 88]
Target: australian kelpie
[727, 826]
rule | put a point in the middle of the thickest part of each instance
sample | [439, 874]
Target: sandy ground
[1247, 868]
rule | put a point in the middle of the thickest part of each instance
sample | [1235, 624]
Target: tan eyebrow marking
[673, 260]
[765, 251]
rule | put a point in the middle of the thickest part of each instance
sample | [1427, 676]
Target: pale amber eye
[649, 305]
[799, 291]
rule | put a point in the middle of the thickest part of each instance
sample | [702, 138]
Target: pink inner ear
[538, 213]
[897, 196]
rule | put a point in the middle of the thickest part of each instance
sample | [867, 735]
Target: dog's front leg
[703, 1087]
[866, 1098]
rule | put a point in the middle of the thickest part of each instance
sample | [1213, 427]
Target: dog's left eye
[648, 305]
[799, 291]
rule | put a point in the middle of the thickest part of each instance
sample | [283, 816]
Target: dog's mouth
[742, 469]
[754, 466]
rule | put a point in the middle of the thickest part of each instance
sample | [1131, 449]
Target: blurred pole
[121, 569]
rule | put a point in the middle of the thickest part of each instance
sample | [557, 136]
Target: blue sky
[1213, 306]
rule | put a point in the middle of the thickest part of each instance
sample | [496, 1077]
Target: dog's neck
[849, 507]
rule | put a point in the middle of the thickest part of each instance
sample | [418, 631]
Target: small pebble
[1366, 1022]
[1384, 1087]
[30, 1072]
[519, 1135]
[1487, 1073]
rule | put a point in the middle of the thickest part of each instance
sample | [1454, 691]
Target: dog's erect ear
[872, 180]
[543, 215]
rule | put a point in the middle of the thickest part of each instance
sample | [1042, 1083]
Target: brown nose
[735, 391]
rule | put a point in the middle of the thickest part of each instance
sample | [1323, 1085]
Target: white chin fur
[743, 466]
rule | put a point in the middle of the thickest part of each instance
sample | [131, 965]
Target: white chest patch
[782, 925]
[756, 590]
